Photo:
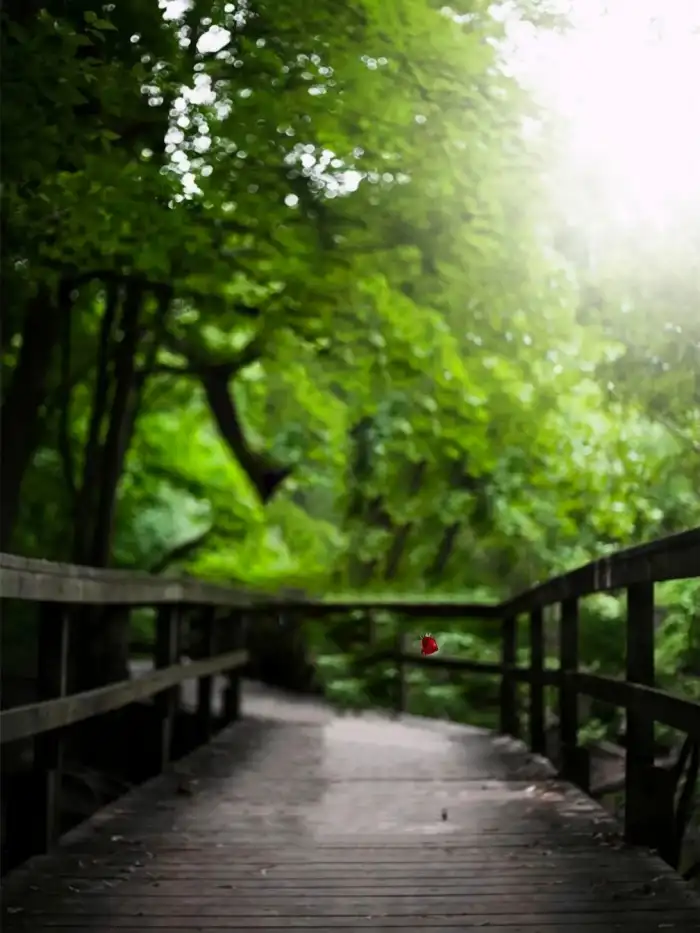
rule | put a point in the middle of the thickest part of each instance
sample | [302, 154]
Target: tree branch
[678, 433]
[114, 276]
[161, 369]
[265, 476]
[201, 360]
[444, 552]
[180, 551]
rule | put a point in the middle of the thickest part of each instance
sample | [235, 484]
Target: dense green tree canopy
[282, 305]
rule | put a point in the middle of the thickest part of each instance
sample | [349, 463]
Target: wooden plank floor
[298, 819]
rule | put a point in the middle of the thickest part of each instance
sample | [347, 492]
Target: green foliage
[350, 201]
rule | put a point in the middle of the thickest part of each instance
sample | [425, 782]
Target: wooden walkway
[295, 818]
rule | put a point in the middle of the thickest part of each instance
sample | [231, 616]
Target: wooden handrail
[27, 579]
[21, 722]
[636, 570]
[676, 557]
[659, 705]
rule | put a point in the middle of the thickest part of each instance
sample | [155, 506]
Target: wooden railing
[59, 590]
[658, 801]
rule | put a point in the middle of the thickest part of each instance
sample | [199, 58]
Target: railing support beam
[204, 715]
[537, 733]
[574, 760]
[167, 652]
[509, 723]
[401, 701]
[52, 682]
[234, 635]
[640, 807]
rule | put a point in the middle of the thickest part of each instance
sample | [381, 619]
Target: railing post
[371, 622]
[203, 715]
[537, 735]
[640, 810]
[234, 638]
[508, 694]
[401, 683]
[167, 652]
[52, 682]
[574, 760]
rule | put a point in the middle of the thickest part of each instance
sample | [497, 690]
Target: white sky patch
[624, 84]
[174, 9]
[213, 40]
[351, 181]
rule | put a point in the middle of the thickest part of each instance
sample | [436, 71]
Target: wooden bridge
[291, 816]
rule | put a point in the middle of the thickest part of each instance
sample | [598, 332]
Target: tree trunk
[264, 476]
[86, 501]
[20, 418]
[103, 650]
[444, 552]
[403, 532]
[121, 424]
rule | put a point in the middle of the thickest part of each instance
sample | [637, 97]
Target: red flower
[428, 645]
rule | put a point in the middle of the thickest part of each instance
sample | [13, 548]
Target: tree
[233, 239]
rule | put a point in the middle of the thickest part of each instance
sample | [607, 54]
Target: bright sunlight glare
[624, 84]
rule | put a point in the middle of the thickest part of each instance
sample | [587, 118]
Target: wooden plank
[207, 886]
[563, 922]
[318, 865]
[527, 851]
[265, 903]
[35, 718]
[472, 878]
